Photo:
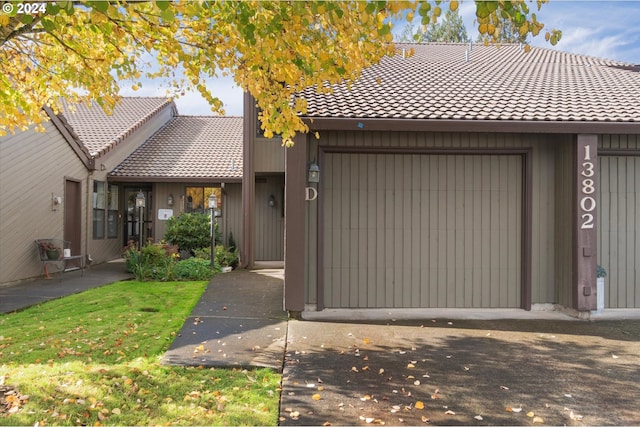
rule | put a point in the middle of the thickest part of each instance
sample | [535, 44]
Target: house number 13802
[587, 201]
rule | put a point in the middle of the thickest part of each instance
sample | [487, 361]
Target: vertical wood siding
[563, 233]
[269, 155]
[422, 230]
[269, 221]
[546, 255]
[619, 229]
[233, 212]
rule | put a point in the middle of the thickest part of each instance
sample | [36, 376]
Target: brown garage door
[619, 229]
[418, 230]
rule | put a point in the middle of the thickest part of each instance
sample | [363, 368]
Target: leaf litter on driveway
[471, 373]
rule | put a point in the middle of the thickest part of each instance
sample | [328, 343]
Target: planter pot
[52, 254]
[226, 269]
[600, 294]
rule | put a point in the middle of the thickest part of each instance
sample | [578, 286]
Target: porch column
[294, 230]
[248, 183]
[585, 260]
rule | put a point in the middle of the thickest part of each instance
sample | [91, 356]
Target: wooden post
[586, 199]
[294, 222]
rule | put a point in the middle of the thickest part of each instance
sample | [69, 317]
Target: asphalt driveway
[462, 372]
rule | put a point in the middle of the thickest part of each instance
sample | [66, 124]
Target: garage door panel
[421, 236]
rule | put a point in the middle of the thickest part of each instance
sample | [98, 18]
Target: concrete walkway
[238, 322]
[25, 294]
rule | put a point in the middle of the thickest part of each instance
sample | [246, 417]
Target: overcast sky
[605, 28]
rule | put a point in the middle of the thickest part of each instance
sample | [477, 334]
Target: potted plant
[49, 249]
[226, 258]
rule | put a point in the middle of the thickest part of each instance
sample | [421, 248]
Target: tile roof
[495, 83]
[100, 132]
[188, 147]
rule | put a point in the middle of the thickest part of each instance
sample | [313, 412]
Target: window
[112, 215]
[198, 198]
[105, 210]
[98, 209]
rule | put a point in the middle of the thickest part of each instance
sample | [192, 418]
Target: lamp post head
[213, 201]
[140, 201]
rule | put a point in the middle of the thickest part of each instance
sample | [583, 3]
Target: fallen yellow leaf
[419, 405]
[316, 397]
[530, 414]
[538, 420]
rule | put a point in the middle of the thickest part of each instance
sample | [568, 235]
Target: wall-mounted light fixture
[314, 172]
[55, 202]
[170, 200]
[272, 201]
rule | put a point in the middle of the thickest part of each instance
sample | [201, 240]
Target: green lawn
[93, 359]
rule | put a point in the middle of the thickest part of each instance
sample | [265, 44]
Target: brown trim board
[617, 152]
[493, 126]
[527, 204]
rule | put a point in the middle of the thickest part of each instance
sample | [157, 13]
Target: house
[178, 168]
[78, 180]
[448, 176]
[455, 176]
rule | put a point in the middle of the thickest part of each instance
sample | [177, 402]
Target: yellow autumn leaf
[419, 405]
[316, 397]
[89, 53]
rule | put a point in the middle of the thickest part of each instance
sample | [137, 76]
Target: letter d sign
[310, 193]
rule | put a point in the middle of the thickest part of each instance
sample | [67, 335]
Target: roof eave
[195, 180]
[67, 132]
[483, 126]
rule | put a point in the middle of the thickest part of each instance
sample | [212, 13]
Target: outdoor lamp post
[140, 203]
[213, 205]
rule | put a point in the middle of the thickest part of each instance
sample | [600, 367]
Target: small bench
[58, 253]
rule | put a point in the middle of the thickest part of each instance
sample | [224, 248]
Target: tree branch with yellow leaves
[273, 49]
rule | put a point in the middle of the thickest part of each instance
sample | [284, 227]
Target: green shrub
[190, 231]
[153, 262]
[192, 269]
[203, 253]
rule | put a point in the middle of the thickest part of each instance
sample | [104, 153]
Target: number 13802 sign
[587, 189]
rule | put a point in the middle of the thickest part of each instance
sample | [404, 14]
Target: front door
[73, 218]
[137, 226]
